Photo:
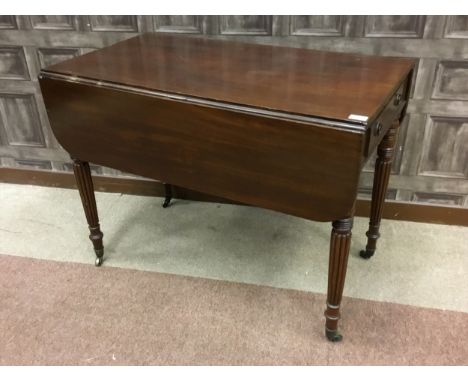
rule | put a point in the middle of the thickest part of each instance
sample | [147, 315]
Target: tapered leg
[339, 250]
[85, 186]
[167, 195]
[383, 166]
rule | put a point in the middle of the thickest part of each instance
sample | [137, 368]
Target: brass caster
[333, 335]
[367, 253]
[167, 195]
[166, 203]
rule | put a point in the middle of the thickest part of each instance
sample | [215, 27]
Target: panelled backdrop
[432, 157]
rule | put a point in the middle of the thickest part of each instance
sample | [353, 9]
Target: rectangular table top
[299, 82]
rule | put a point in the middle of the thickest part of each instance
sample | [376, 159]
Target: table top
[301, 82]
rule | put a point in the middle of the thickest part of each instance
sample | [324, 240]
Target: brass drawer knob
[397, 99]
[378, 128]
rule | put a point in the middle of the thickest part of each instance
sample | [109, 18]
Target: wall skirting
[417, 212]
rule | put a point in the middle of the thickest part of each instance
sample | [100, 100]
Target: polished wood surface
[267, 162]
[261, 125]
[298, 81]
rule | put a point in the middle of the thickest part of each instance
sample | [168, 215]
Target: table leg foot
[333, 335]
[367, 253]
[99, 257]
[99, 261]
[168, 195]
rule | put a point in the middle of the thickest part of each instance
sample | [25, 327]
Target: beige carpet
[59, 313]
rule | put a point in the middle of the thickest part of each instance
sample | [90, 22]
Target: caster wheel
[366, 253]
[166, 203]
[98, 261]
[333, 335]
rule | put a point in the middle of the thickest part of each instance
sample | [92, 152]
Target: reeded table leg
[383, 166]
[339, 251]
[167, 195]
[85, 186]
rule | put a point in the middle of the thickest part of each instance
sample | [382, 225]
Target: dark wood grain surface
[115, 107]
[263, 161]
[299, 81]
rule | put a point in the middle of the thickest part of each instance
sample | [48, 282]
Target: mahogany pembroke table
[280, 128]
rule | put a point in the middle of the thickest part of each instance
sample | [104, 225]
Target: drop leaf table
[275, 127]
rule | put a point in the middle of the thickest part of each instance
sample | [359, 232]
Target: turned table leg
[85, 186]
[383, 166]
[339, 250]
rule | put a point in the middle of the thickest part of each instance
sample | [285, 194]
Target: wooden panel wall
[432, 154]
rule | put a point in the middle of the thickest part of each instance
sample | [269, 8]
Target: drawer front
[385, 119]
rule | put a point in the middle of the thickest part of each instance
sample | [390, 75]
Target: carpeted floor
[418, 264]
[59, 313]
